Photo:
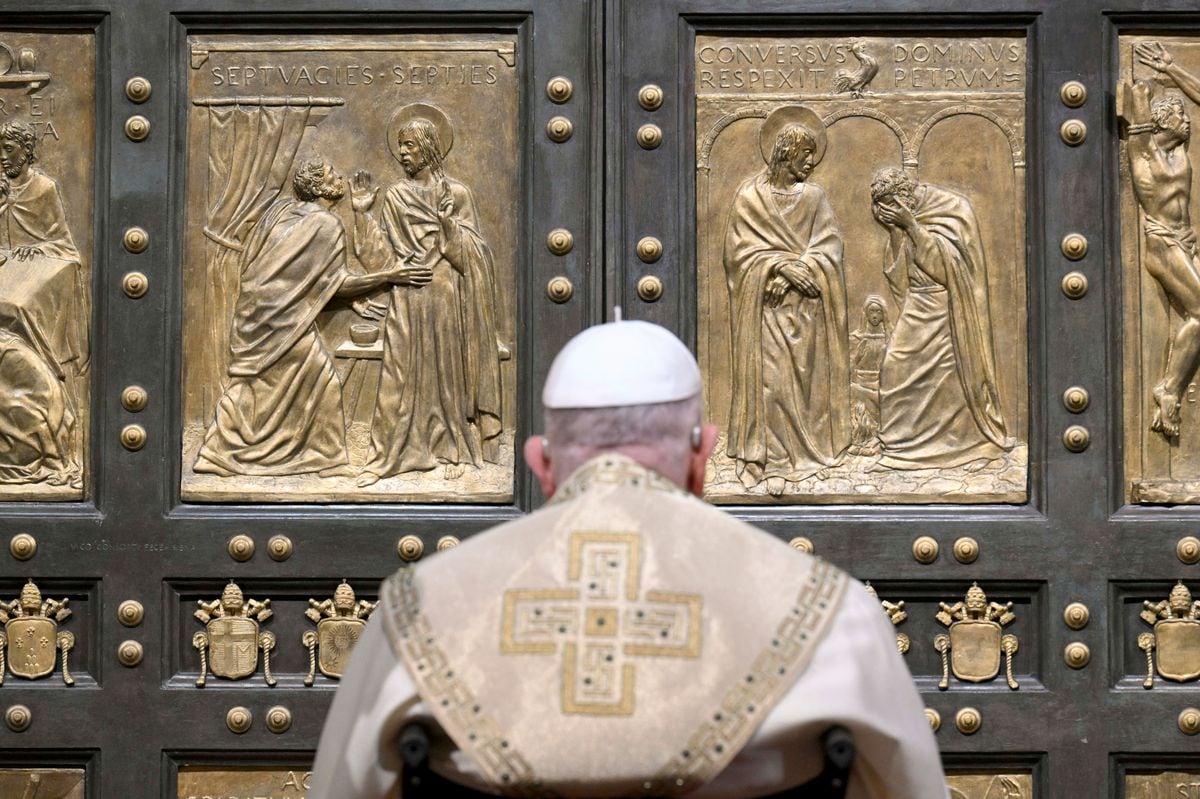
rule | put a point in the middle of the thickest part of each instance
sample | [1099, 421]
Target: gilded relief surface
[350, 257]
[861, 240]
[1158, 93]
[1163, 785]
[260, 783]
[990, 786]
[42, 783]
[47, 145]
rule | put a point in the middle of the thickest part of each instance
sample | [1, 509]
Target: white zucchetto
[620, 364]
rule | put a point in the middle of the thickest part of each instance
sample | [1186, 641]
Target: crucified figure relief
[1159, 134]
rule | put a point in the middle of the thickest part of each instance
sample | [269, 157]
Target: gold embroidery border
[719, 738]
[633, 575]
[694, 604]
[611, 470]
[569, 705]
[508, 641]
[450, 699]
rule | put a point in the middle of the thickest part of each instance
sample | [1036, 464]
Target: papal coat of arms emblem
[1176, 637]
[231, 639]
[340, 621]
[31, 638]
[973, 647]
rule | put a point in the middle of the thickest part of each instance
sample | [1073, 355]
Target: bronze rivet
[966, 550]
[240, 547]
[1076, 438]
[1073, 132]
[1073, 94]
[137, 89]
[1074, 246]
[1077, 655]
[130, 613]
[935, 719]
[1189, 721]
[650, 97]
[22, 546]
[650, 288]
[560, 241]
[1075, 399]
[135, 285]
[968, 721]
[559, 289]
[238, 719]
[410, 548]
[133, 437]
[130, 653]
[134, 398]
[801, 543]
[447, 542]
[649, 249]
[649, 136]
[1188, 550]
[279, 719]
[137, 128]
[1076, 615]
[559, 89]
[559, 129]
[1075, 285]
[279, 547]
[18, 718]
[925, 549]
[135, 239]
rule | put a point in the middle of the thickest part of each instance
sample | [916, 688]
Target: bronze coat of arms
[31, 638]
[1176, 637]
[340, 622]
[231, 639]
[975, 641]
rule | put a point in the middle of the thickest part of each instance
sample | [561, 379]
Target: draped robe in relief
[439, 392]
[35, 417]
[791, 376]
[939, 401]
[32, 215]
[281, 412]
[627, 632]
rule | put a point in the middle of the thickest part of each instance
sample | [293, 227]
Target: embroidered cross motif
[601, 623]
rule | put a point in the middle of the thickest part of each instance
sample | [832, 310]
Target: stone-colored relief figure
[868, 344]
[46, 340]
[938, 398]
[1159, 133]
[281, 412]
[439, 393]
[789, 416]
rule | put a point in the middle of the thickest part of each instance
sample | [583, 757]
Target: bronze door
[933, 256]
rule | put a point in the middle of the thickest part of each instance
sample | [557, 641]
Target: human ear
[698, 461]
[537, 458]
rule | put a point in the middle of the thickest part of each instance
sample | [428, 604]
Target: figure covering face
[32, 217]
[783, 262]
[439, 393]
[939, 402]
[282, 411]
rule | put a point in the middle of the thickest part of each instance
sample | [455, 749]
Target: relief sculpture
[362, 350]
[1160, 84]
[46, 131]
[42, 783]
[990, 786]
[869, 262]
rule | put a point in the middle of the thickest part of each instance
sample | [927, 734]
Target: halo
[430, 113]
[786, 115]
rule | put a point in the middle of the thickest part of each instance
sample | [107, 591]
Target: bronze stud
[1075, 285]
[137, 128]
[966, 550]
[279, 719]
[1074, 246]
[650, 288]
[1076, 655]
[130, 613]
[925, 549]
[1073, 94]
[22, 546]
[801, 543]
[560, 241]
[1076, 615]
[1189, 721]
[1076, 438]
[649, 249]
[134, 398]
[650, 97]
[137, 89]
[1073, 132]
[240, 547]
[135, 285]
[410, 548]
[935, 719]
[559, 289]
[968, 721]
[559, 89]
[1075, 399]
[559, 129]
[133, 437]
[135, 239]
[239, 719]
[1187, 549]
[279, 547]
[18, 718]
[130, 654]
[447, 542]
[649, 137]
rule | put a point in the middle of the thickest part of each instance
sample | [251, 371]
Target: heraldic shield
[233, 647]
[31, 646]
[1178, 642]
[335, 642]
[975, 650]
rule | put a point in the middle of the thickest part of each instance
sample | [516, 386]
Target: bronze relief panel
[47, 155]
[1163, 785]
[861, 258]
[42, 783]
[990, 786]
[205, 782]
[1158, 92]
[349, 268]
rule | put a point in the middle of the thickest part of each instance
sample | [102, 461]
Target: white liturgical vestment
[627, 639]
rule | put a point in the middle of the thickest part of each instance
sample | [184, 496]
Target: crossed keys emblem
[231, 640]
[1176, 637]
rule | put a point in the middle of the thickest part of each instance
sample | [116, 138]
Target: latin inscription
[211, 783]
[1164, 785]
